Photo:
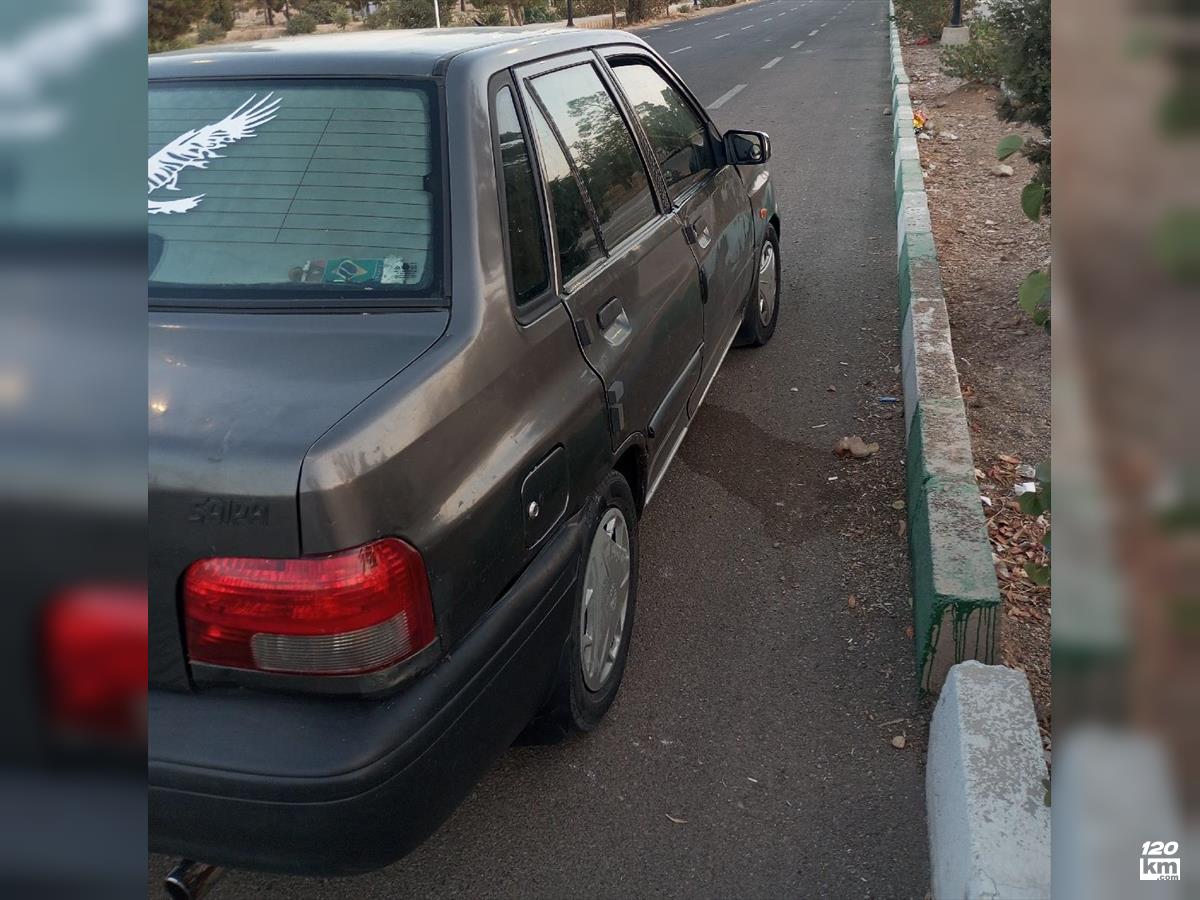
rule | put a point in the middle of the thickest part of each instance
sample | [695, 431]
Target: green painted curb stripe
[956, 599]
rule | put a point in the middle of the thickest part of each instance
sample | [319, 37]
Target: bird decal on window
[194, 149]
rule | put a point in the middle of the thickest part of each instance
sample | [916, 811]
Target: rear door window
[578, 246]
[295, 187]
[676, 132]
[522, 212]
[598, 141]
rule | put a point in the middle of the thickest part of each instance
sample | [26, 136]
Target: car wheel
[762, 312]
[593, 658]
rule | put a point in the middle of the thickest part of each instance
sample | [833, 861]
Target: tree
[223, 14]
[168, 19]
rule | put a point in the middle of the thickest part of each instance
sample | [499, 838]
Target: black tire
[754, 331]
[572, 705]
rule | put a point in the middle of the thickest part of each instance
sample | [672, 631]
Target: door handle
[614, 323]
[701, 233]
[609, 313]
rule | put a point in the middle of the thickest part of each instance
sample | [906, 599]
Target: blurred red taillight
[349, 613]
[94, 660]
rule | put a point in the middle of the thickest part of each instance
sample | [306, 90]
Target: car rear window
[294, 188]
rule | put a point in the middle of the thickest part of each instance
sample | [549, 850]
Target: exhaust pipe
[191, 880]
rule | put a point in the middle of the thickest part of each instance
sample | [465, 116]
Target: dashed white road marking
[719, 36]
[726, 97]
[796, 46]
[814, 31]
[681, 49]
[768, 18]
[773, 62]
[747, 27]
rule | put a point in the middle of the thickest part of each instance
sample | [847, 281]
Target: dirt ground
[986, 246]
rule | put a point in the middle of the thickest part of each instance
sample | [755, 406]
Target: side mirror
[747, 148]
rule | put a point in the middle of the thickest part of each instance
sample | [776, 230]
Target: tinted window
[577, 244]
[676, 133]
[526, 242]
[307, 186]
[599, 142]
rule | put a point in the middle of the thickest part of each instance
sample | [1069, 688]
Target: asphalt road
[749, 753]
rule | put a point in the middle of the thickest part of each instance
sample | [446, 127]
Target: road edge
[956, 599]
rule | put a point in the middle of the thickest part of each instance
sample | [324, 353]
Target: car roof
[414, 52]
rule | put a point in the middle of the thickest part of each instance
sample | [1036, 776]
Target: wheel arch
[633, 464]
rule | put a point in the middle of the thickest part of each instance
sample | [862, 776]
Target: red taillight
[349, 613]
[94, 660]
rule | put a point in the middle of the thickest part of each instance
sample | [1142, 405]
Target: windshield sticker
[396, 270]
[311, 271]
[353, 271]
[193, 150]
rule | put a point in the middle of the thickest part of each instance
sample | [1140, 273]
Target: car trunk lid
[236, 400]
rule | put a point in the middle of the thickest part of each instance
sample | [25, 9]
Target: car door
[625, 271]
[707, 194]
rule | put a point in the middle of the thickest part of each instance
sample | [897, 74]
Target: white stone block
[985, 788]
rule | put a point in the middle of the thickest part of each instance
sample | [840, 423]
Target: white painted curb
[986, 789]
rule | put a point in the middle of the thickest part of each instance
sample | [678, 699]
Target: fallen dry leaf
[908, 632]
[898, 742]
[1011, 460]
[852, 601]
[675, 820]
[856, 447]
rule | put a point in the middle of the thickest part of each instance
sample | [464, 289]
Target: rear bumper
[319, 785]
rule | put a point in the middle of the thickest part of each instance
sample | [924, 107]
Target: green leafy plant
[492, 15]
[406, 14]
[324, 11]
[301, 23]
[223, 14]
[178, 43]
[926, 18]
[978, 60]
[169, 20]
[341, 18]
[209, 32]
[539, 13]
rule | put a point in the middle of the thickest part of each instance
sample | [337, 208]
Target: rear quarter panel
[437, 456]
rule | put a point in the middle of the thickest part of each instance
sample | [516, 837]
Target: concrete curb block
[956, 601]
[986, 789]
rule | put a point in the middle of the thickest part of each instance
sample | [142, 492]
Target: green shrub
[927, 18]
[592, 7]
[979, 60]
[493, 15]
[539, 14]
[406, 14]
[209, 32]
[301, 23]
[165, 46]
[641, 10]
[324, 11]
[341, 18]
[170, 19]
[223, 14]
[1024, 29]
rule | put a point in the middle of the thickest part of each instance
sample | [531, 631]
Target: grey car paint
[430, 425]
